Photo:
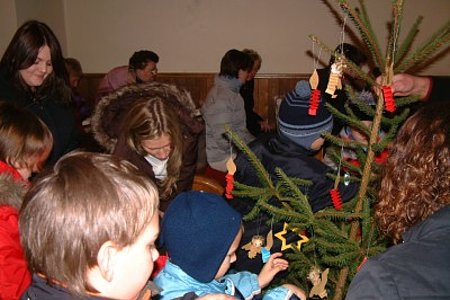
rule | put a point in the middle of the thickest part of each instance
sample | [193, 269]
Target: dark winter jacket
[439, 89]
[107, 126]
[419, 268]
[274, 151]
[58, 116]
[41, 290]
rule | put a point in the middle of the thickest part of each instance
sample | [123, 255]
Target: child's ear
[106, 260]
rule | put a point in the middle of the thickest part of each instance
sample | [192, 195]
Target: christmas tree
[341, 238]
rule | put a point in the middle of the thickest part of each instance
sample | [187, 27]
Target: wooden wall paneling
[267, 88]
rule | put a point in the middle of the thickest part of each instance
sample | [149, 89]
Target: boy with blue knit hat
[291, 149]
[201, 233]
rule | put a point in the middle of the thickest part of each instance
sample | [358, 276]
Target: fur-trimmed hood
[11, 190]
[110, 110]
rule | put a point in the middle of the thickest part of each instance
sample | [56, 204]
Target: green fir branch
[341, 260]
[427, 49]
[368, 37]
[254, 161]
[397, 11]
[407, 43]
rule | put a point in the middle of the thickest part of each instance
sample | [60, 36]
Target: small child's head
[294, 122]
[236, 64]
[74, 70]
[90, 225]
[25, 141]
[201, 233]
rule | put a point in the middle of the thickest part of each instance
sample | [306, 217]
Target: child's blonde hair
[149, 119]
[87, 199]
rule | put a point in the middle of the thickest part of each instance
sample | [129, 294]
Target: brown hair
[22, 52]
[147, 120]
[256, 58]
[86, 200]
[73, 66]
[416, 179]
[24, 138]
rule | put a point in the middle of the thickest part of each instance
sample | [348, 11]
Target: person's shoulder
[119, 69]
[373, 281]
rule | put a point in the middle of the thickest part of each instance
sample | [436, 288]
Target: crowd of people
[88, 226]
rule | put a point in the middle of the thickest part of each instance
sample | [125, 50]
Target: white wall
[193, 35]
[48, 11]
[8, 22]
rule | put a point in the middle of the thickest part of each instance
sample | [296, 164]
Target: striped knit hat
[296, 124]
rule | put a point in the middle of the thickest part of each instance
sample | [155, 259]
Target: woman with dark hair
[413, 209]
[33, 75]
[224, 105]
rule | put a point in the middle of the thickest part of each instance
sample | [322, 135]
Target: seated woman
[225, 106]
[153, 126]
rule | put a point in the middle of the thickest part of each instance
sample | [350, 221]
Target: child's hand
[271, 268]
[296, 290]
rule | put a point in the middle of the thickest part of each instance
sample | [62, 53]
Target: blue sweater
[176, 283]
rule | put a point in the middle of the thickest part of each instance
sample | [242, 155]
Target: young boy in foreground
[88, 230]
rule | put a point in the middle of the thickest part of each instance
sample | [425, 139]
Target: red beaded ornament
[231, 167]
[336, 198]
[388, 98]
[314, 101]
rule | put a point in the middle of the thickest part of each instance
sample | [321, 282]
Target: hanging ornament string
[334, 193]
[337, 68]
[314, 83]
[388, 96]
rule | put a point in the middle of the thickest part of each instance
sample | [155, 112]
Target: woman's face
[36, 74]
[160, 147]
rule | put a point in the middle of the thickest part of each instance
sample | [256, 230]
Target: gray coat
[223, 105]
[419, 268]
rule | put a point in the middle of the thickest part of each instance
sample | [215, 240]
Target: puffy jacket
[109, 115]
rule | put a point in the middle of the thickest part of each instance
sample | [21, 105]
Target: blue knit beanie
[197, 230]
[296, 124]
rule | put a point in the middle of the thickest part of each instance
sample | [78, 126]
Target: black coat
[59, 117]
[419, 268]
[252, 118]
[275, 151]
